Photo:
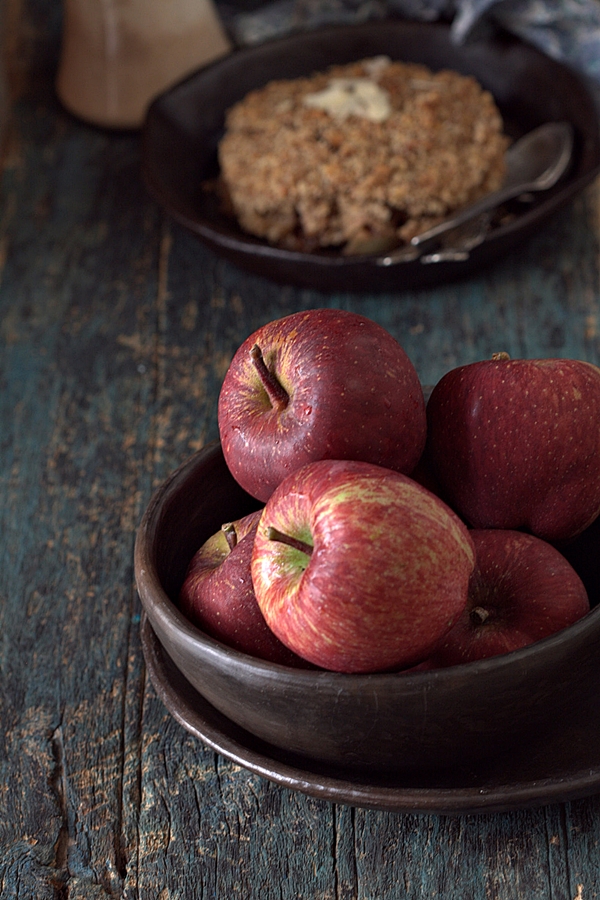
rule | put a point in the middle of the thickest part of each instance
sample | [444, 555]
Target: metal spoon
[533, 163]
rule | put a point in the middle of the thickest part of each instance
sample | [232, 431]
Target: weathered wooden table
[116, 330]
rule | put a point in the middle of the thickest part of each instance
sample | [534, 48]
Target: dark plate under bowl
[370, 725]
[184, 125]
[559, 765]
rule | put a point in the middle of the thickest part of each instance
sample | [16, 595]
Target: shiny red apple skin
[217, 596]
[353, 394]
[521, 590]
[515, 444]
[387, 577]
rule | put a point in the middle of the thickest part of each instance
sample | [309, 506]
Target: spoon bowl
[537, 160]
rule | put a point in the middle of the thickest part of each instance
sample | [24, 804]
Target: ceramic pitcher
[117, 55]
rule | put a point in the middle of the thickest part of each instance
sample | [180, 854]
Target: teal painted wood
[116, 328]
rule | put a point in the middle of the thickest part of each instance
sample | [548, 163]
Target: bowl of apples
[371, 583]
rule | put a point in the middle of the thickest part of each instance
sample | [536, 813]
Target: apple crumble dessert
[361, 157]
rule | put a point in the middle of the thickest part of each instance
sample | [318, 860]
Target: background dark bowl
[184, 125]
[353, 723]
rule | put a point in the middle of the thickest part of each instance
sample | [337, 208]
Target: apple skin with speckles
[381, 573]
[218, 597]
[515, 444]
[521, 590]
[342, 388]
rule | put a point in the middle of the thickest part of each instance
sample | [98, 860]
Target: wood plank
[71, 501]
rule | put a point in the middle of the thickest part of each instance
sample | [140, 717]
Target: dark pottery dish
[365, 724]
[558, 765]
[184, 125]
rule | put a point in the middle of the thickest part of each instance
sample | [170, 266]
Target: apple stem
[274, 534]
[479, 615]
[276, 393]
[230, 534]
[501, 356]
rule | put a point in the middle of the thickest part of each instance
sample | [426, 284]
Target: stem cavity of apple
[502, 356]
[230, 533]
[479, 615]
[276, 393]
[274, 534]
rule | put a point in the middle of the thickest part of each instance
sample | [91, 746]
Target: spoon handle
[516, 185]
[487, 203]
[516, 182]
[427, 240]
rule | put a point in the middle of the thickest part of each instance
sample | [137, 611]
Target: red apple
[358, 568]
[217, 594]
[319, 384]
[516, 444]
[521, 590]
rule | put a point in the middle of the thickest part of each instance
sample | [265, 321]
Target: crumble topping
[361, 157]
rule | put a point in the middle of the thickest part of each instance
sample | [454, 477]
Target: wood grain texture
[116, 328]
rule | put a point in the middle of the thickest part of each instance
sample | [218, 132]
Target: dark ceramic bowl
[355, 723]
[184, 125]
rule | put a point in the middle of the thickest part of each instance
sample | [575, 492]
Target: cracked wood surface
[116, 328]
